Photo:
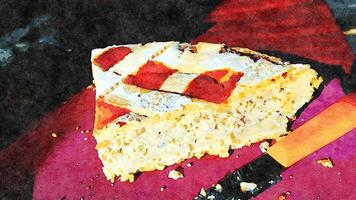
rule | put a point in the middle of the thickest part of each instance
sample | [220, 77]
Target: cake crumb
[163, 188]
[247, 187]
[173, 174]
[202, 192]
[282, 197]
[326, 162]
[54, 135]
[211, 197]
[264, 146]
[190, 164]
[218, 187]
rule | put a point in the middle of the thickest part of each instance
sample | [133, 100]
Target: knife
[263, 172]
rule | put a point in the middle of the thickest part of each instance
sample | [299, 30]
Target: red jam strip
[106, 113]
[150, 76]
[121, 123]
[217, 74]
[110, 57]
[210, 89]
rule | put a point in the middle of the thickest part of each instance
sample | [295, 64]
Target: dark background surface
[345, 15]
[45, 46]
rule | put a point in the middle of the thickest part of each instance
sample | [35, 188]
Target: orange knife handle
[330, 124]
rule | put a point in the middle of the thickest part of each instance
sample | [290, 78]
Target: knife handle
[330, 124]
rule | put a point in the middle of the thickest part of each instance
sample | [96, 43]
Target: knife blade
[264, 171]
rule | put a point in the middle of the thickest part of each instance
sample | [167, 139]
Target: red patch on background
[105, 113]
[304, 28]
[150, 76]
[208, 88]
[110, 57]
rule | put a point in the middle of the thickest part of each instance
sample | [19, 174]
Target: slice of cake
[163, 102]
